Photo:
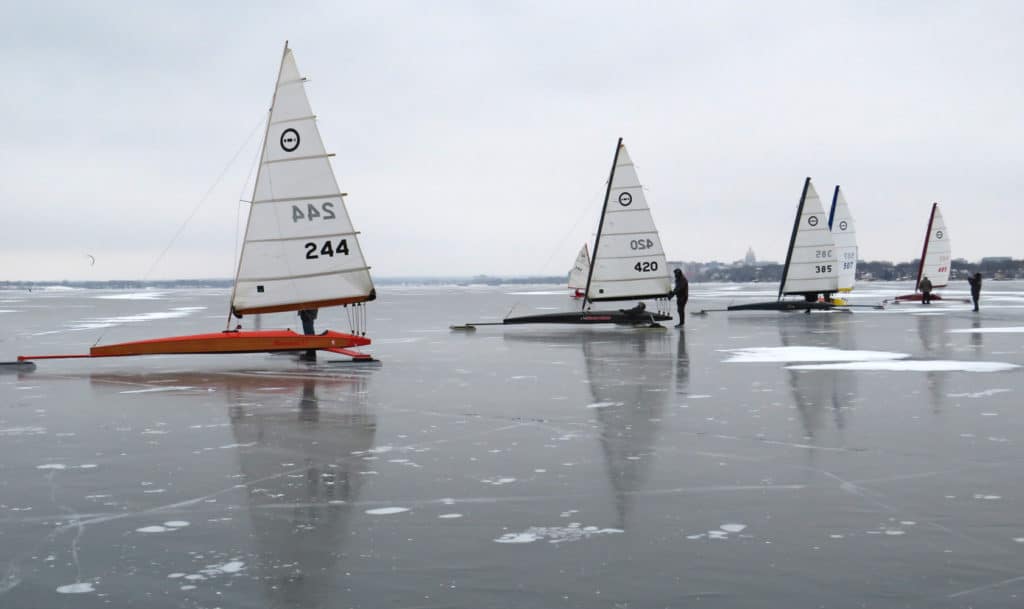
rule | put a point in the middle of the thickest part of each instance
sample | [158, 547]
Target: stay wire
[194, 211]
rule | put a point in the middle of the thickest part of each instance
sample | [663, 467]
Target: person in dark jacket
[975, 281]
[308, 317]
[682, 294]
[926, 290]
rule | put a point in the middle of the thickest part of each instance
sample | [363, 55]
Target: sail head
[300, 250]
[629, 261]
[811, 266]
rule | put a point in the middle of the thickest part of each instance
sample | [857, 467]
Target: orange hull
[259, 341]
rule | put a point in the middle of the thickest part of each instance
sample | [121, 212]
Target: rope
[195, 210]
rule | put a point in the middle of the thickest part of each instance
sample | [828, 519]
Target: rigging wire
[586, 206]
[194, 211]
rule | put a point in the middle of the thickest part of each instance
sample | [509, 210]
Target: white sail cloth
[937, 251]
[844, 235]
[580, 270]
[629, 262]
[812, 266]
[300, 249]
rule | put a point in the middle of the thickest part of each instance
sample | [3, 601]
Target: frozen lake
[870, 459]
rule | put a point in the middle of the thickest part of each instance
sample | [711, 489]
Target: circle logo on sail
[625, 199]
[938, 234]
[289, 140]
[842, 225]
[813, 220]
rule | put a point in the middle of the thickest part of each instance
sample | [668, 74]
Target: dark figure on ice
[308, 317]
[975, 281]
[926, 290]
[682, 294]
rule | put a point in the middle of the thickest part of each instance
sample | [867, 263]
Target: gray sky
[475, 137]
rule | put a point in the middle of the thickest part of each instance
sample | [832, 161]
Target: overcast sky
[476, 137]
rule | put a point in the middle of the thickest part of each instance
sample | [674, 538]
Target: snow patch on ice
[158, 389]
[57, 466]
[387, 511]
[79, 588]
[604, 404]
[807, 354]
[733, 528]
[450, 516]
[912, 366]
[573, 532]
[1004, 330]
[153, 529]
[977, 394]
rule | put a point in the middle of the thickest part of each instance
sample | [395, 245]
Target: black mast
[600, 224]
[792, 237]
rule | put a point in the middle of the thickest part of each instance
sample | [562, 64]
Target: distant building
[750, 259]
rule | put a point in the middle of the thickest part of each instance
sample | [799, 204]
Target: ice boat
[935, 258]
[300, 250]
[628, 263]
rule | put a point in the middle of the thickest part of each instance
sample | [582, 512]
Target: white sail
[300, 248]
[937, 251]
[811, 262]
[580, 269]
[840, 222]
[629, 262]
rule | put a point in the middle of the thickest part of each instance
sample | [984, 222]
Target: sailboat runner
[579, 272]
[628, 263]
[300, 249]
[811, 267]
[935, 257]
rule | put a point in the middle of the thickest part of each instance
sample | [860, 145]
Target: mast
[832, 212]
[600, 224]
[255, 185]
[792, 237]
[924, 249]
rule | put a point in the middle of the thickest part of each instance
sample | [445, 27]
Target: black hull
[783, 305]
[590, 317]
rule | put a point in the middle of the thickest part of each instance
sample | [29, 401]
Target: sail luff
[792, 237]
[600, 223]
[259, 169]
[924, 248]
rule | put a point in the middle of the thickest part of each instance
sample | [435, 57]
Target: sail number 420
[645, 267]
[315, 250]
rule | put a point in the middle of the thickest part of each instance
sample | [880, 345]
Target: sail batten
[811, 260]
[300, 246]
[629, 262]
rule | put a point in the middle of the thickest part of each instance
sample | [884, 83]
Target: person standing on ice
[926, 290]
[975, 281]
[682, 294]
[308, 317]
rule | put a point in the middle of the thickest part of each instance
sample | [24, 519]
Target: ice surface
[560, 461]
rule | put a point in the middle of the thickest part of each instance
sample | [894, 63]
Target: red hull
[259, 341]
[915, 297]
